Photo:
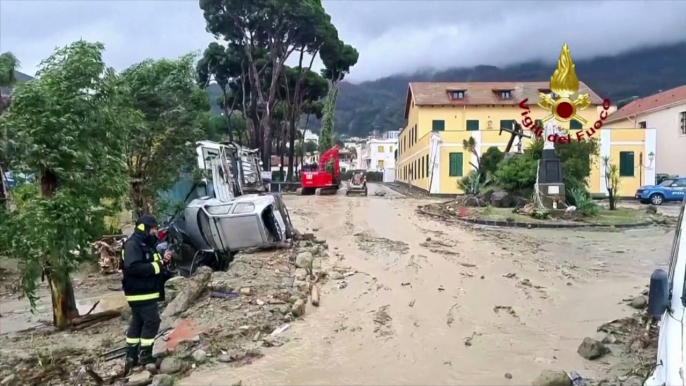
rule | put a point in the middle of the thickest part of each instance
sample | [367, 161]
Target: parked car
[667, 305]
[673, 189]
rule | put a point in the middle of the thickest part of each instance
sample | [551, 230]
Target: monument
[549, 182]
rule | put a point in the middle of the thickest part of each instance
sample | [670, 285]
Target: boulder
[199, 356]
[163, 380]
[501, 199]
[170, 365]
[298, 308]
[592, 349]
[304, 260]
[173, 286]
[639, 302]
[140, 379]
[552, 378]
[485, 195]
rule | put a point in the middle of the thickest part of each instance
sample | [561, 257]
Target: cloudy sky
[392, 36]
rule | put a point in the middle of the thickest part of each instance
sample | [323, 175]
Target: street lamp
[651, 157]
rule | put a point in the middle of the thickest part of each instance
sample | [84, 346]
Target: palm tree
[8, 78]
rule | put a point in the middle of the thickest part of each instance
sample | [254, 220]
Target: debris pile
[632, 339]
[109, 251]
[207, 319]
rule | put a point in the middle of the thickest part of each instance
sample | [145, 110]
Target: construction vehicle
[323, 177]
[357, 183]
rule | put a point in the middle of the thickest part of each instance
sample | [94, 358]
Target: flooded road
[448, 304]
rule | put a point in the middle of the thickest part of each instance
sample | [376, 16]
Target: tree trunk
[291, 152]
[3, 188]
[612, 199]
[227, 114]
[63, 301]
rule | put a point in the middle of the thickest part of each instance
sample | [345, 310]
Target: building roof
[481, 93]
[650, 103]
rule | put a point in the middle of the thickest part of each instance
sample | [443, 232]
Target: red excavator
[323, 177]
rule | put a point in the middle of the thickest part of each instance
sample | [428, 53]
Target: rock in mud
[10, 380]
[336, 276]
[170, 365]
[151, 367]
[140, 379]
[552, 378]
[173, 286]
[304, 260]
[592, 349]
[199, 356]
[501, 199]
[163, 380]
[639, 302]
[298, 308]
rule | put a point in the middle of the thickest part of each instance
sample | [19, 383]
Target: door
[677, 190]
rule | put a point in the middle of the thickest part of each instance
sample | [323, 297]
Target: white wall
[670, 149]
[387, 156]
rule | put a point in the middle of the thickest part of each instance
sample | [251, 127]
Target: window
[508, 124]
[390, 149]
[427, 165]
[683, 122]
[506, 94]
[415, 133]
[438, 125]
[575, 125]
[626, 163]
[681, 183]
[421, 166]
[455, 165]
[473, 125]
[457, 94]
[538, 123]
[379, 164]
[642, 125]
[381, 149]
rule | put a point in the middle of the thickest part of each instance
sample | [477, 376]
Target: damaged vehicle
[234, 211]
[667, 305]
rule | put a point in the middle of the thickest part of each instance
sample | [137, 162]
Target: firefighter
[143, 285]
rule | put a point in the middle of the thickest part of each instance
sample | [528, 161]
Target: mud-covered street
[433, 303]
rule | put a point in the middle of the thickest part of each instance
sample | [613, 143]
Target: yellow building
[441, 115]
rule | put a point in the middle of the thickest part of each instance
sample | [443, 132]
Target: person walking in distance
[143, 284]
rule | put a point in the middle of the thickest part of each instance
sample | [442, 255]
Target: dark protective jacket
[144, 277]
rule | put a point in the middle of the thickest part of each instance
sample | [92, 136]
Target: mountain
[641, 72]
[21, 77]
[379, 104]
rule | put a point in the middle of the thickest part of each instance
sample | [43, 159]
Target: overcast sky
[392, 36]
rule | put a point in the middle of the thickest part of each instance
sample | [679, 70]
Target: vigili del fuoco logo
[562, 106]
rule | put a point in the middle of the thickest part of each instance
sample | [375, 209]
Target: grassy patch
[604, 216]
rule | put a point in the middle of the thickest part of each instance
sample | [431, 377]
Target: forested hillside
[379, 103]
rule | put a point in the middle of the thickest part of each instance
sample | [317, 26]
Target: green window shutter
[626, 163]
[507, 124]
[472, 125]
[438, 125]
[455, 165]
[427, 165]
[575, 125]
[538, 122]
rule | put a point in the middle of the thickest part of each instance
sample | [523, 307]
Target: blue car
[672, 189]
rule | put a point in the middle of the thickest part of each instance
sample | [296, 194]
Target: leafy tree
[338, 58]
[174, 112]
[8, 66]
[224, 66]
[516, 173]
[280, 27]
[69, 127]
[310, 147]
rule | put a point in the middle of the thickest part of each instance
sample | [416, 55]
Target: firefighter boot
[146, 356]
[131, 359]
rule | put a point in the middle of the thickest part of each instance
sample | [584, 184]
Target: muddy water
[465, 307]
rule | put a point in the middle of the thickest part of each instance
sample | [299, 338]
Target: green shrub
[490, 160]
[516, 173]
[583, 202]
[470, 184]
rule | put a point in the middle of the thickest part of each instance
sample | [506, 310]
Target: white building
[378, 154]
[310, 136]
[666, 111]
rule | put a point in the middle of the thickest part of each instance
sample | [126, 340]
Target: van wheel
[657, 199]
